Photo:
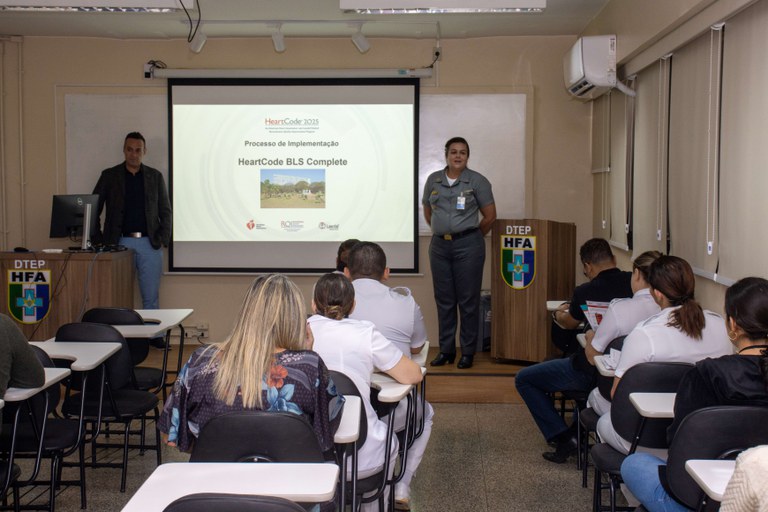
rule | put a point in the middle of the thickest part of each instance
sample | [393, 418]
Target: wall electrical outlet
[437, 53]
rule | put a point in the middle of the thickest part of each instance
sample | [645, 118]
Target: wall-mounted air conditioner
[590, 66]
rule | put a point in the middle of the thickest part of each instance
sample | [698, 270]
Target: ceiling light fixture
[445, 6]
[360, 41]
[278, 39]
[149, 6]
[198, 41]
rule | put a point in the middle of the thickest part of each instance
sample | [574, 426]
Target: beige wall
[642, 38]
[560, 187]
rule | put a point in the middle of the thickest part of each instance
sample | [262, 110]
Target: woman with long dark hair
[682, 332]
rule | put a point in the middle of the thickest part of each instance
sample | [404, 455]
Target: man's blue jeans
[149, 269]
[535, 382]
[640, 472]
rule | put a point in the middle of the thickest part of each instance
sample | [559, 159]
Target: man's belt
[135, 234]
[456, 236]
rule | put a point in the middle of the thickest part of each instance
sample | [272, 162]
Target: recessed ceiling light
[442, 6]
[151, 6]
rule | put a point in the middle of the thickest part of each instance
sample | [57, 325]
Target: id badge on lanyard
[461, 202]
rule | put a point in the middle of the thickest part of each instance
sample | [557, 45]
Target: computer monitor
[68, 217]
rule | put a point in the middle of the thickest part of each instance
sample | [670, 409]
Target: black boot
[565, 446]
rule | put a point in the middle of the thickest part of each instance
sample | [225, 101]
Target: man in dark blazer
[138, 214]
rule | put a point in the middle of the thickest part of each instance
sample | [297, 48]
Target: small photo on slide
[292, 188]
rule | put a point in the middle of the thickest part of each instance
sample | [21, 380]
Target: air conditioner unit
[590, 66]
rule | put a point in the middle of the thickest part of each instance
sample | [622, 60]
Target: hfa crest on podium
[518, 260]
[29, 295]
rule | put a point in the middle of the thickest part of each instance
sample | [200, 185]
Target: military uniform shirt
[443, 199]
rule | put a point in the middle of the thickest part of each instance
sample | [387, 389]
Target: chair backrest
[605, 384]
[112, 316]
[346, 386]
[257, 436]
[719, 432]
[119, 366]
[215, 502]
[139, 347]
[655, 377]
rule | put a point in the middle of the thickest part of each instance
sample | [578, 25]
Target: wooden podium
[533, 262]
[47, 290]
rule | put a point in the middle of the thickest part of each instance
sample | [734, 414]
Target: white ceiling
[301, 18]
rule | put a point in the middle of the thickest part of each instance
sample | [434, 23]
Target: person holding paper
[453, 198]
[621, 317]
[536, 382]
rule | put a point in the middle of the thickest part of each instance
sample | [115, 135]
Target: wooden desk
[654, 405]
[711, 475]
[75, 282]
[84, 356]
[304, 483]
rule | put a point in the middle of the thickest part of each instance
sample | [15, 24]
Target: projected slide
[283, 172]
[297, 168]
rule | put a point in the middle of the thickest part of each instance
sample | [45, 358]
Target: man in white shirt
[395, 313]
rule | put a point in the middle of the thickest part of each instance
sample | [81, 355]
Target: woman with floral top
[264, 364]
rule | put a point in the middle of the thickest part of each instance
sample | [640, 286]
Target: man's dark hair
[343, 253]
[367, 260]
[595, 251]
[137, 136]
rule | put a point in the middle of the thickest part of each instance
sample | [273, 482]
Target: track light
[198, 41]
[360, 41]
[278, 39]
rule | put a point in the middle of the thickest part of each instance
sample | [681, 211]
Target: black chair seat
[607, 459]
[588, 418]
[147, 378]
[130, 403]
[60, 435]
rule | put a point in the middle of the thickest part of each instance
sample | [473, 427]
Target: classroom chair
[219, 502]
[655, 377]
[719, 432]
[122, 402]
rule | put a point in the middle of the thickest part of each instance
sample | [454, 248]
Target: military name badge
[29, 295]
[518, 260]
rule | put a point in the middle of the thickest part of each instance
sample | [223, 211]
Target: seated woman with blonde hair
[263, 364]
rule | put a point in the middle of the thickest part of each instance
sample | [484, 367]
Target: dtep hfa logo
[518, 260]
[29, 295]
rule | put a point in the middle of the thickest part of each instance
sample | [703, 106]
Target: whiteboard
[493, 124]
[96, 126]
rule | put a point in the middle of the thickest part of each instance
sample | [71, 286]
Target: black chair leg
[83, 502]
[125, 456]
